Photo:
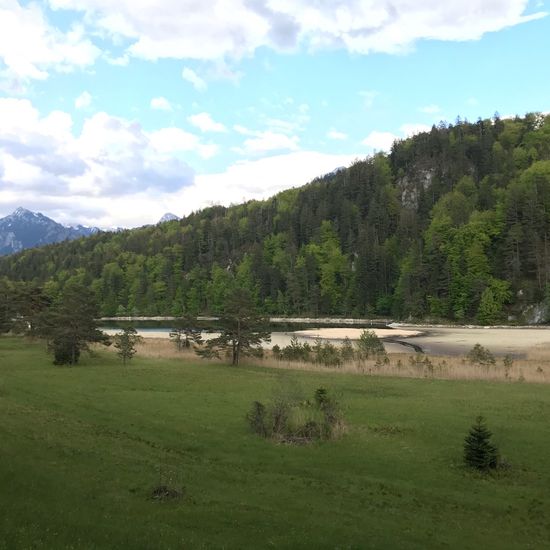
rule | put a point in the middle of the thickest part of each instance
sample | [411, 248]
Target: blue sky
[112, 113]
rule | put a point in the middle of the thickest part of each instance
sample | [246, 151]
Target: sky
[114, 113]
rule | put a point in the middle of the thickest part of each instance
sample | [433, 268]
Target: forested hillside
[454, 223]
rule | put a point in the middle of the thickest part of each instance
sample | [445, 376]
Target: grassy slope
[80, 450]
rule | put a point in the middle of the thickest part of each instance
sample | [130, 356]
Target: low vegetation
[288, 418]
[163, 447]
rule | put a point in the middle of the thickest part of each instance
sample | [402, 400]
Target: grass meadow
[82, 448]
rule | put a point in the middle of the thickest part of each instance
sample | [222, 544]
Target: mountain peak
[19, 212]
[168, 217]
[26, 229]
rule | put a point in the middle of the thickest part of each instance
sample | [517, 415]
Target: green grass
[81, 448]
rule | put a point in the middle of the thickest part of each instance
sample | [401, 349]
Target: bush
[370, 346]
[479, 452]
[291, 420]
[296, 351]
[257, 419]
[479, 355]
[326, 354]
[347, 353]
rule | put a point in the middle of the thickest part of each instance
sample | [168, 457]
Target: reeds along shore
[534, 368]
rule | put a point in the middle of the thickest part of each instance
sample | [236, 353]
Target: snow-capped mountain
[168, 217]
[25, 229]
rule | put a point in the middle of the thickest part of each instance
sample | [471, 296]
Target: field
[82, 448]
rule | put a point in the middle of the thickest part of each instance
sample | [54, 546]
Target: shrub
[479, 355]
[291, 420]
[369, 346]
[347, 353]
[256, 419]
[326, 354]
[479, 452]
[296, 351]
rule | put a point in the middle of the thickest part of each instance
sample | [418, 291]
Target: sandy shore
[500, 340]
[432, 340]
[355, 333]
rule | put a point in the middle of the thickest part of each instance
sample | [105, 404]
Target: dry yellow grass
[533, 368]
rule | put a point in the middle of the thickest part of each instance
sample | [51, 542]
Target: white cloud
[204, 122]
[30, 47]
[335, 134]
[380, 141]
[113, 173]
[413, 129]
[174, 140]
[431, 109]
[383, 141]
[160, 104]
[263, 142]
[258, 179]
[191, 76]
[83, 100]
[243, 130]
[184, 29]
[41, 159]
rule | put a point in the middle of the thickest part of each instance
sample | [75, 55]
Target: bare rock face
[411, 187]
[25, 229]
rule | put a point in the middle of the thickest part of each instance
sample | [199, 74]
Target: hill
[453, 223]
[25, 229]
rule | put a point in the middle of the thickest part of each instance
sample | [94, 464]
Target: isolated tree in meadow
[242, 328]
[69, 325]
[185, 332]
[125, 342]
[479, 452]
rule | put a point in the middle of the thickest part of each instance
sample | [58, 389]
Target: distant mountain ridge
[168, 217]
[25, 229]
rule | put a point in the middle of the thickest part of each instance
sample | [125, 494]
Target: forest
[452, 224]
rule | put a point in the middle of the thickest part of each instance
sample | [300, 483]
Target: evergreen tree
[7, 305]
[69, 325]
[479, 452]
[370, 346]
[125, 342]
[243, 329]
[185, 332]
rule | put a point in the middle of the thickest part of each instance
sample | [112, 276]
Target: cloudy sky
[113, 113]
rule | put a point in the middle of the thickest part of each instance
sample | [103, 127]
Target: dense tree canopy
[454, 223]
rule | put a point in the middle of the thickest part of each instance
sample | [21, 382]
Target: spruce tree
[125, 343]
[479, 452]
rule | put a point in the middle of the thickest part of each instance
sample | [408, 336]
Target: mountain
[453, 224]
[168, 217]
[25, 229]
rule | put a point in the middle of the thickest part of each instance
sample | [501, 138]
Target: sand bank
[355, 333]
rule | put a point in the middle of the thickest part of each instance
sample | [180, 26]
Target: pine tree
[125, 343]
[185, 332]
[69, 325]
[479, 452]
[242, 329]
